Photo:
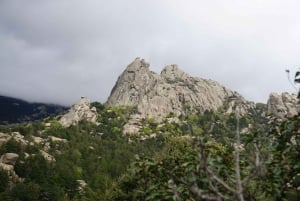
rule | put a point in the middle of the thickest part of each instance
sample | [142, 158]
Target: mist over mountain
[13, 110]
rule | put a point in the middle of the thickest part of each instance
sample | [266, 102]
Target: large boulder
[81, 110]
[7, 162]
[9, 158]
[19, 138]
[81, 186]
[47, 156]
[57, 139]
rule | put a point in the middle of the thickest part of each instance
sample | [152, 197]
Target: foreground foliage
[202, 166]
[194, 160]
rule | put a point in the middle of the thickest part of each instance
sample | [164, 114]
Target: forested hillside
[14, 110]
[191, 159]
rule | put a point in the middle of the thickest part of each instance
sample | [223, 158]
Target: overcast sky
[59, 50]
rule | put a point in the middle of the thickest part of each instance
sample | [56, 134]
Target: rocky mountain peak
[172, 73]
[171, 91]
[174, 91]
[137, 65]
[132, 84]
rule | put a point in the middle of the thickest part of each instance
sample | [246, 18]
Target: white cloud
[60, 50]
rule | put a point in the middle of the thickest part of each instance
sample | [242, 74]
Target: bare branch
[220, 181]
[200, 196]
[208, 171]
[217, 191]
[257, 158]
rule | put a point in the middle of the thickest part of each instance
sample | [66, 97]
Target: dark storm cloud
[59, 50]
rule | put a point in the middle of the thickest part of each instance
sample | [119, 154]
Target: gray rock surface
[171, 91]
[57, 139]
[282, 105]
[7, 162]
[134, 125]
[47, 156]
[4, 137]
[9, 158]
[81, 186]
[244, 106]
[79, 111]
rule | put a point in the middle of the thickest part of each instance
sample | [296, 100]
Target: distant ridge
[14, 110]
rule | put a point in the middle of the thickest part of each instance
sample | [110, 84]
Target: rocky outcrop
[81, 186]
[78, 112]
[37, 140]
[282, 105]
[171, 91]
[134, 125]
[4, 137]
[7, 162]
[57, 139]
[47, 156]
[236, 101]
[9, 158]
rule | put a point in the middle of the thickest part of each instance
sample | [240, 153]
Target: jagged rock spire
[157, 95]
[132, 84]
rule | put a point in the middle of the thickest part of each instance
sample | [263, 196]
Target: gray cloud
[59, 50]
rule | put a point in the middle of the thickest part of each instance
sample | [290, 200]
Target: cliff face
[171, 91]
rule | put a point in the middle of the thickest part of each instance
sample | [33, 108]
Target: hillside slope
[15, 110]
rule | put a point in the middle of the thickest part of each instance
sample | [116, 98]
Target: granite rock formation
[81, 110]
[171, 91]
[7, 162]
[282, 105]
[9, 158]
[244, 106]
[4, 137]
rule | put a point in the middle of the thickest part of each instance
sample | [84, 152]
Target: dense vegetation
[192, 160]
